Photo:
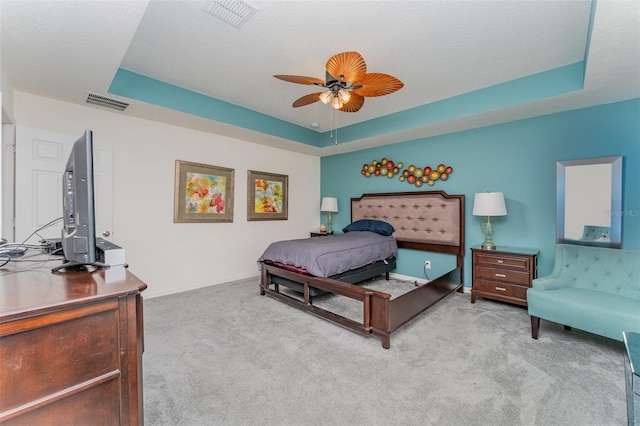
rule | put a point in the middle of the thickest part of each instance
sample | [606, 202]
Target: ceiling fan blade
[377, 84]
[300, 79]
[307, 99]
[354, 104]
[350, 65]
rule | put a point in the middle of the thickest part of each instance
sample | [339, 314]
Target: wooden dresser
[71, 348]
[504, 274]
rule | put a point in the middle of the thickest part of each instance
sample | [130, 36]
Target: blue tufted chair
[594, 289]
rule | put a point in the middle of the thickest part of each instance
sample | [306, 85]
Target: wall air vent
[233, 12]
[103, 101]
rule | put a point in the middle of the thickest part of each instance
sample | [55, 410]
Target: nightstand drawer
[514, 277]
[502, 261]
[503, 289]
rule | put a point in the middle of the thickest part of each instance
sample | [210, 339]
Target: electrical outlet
[427, 264]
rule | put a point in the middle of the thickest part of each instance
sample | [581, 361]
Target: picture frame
[267, 196]
[203, 193]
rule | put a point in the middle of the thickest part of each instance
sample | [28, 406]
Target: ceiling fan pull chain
[333, 119]
[335, 111]
[331, 122]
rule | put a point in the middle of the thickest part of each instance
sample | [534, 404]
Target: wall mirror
[589, 202]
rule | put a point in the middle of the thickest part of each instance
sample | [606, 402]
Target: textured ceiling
[441, 50]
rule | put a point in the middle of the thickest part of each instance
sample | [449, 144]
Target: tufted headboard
[428, 220]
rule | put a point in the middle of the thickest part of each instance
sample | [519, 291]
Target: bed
[429, 220]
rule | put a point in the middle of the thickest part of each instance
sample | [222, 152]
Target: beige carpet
[224, 355]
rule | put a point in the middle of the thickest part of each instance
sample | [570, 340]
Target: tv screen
[79, 226]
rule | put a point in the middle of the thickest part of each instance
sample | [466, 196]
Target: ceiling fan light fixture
[344, 95]
[336, 103]
[325, 97]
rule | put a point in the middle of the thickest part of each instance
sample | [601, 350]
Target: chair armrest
[549, 283]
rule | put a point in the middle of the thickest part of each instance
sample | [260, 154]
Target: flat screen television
[79, 219]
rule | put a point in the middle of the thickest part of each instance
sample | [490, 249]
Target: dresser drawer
[506, 275]
[95, 406]
[503, 289]
[39, 362]
[502, 261]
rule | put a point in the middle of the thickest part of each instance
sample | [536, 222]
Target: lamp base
[329, 223]
[488, 229]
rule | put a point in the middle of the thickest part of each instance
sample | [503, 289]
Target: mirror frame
[615, 209]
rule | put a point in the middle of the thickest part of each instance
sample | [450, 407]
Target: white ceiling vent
[233, 12]
[100, 100]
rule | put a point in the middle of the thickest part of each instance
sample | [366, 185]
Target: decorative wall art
[420, 175]
[383, 167]
[267, 196]
[203, 193]
[413, 175]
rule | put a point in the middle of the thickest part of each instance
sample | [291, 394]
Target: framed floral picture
[267, 196]
[203, 193]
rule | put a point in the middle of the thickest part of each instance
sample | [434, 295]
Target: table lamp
[489, 204]
[329, 206]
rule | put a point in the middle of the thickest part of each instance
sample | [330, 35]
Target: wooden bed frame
[429, 221]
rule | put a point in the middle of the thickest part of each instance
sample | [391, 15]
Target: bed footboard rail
[409, 305]
[375, 304]
[381, 314]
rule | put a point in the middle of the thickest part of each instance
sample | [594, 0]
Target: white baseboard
[150, 295]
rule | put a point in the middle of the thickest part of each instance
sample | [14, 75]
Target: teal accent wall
[516, 158]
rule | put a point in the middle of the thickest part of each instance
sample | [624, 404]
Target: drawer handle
[501, 289]
[500, 261]
[501, 275]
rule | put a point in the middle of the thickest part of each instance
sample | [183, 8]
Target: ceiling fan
[347, 83]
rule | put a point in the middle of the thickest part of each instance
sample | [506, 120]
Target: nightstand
[503, 274]
[319, 234]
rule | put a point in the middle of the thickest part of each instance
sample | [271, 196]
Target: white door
[41, 157]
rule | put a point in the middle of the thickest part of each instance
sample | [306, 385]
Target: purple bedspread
[332, 254]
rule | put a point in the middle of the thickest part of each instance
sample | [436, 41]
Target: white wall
[7, 179]
[172, 257]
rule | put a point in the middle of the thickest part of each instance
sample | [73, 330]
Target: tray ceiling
[463, 64]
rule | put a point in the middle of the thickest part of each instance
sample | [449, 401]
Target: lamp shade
[329, 204]
[489, 204]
